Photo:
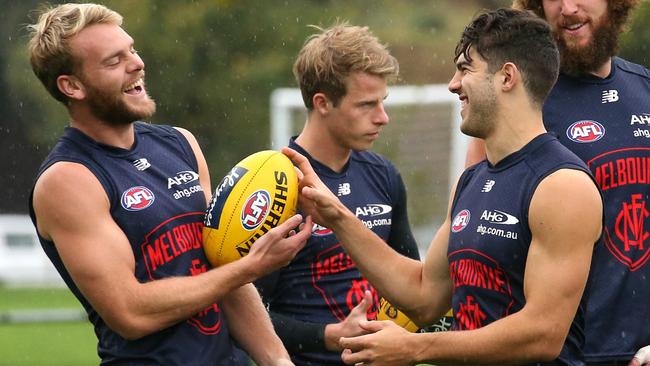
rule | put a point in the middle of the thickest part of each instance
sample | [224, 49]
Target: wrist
[331, 337]
[343, 215]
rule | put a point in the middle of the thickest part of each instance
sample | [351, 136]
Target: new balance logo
[344, 189]
[141, 164]
[610, 96]
[488, 185]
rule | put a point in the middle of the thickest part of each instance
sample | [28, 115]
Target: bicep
[565, 220]
[93, 248]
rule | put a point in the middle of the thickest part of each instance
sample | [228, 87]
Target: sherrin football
[258, 194]
[389, 312]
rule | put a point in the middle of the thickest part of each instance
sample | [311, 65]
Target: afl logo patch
[318, 230]
[255, 209]
[137, 198]
[460, 221]
[585, 131]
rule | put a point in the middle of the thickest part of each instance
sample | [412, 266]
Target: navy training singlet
[490, 238]
[323, 284]
[156, 199]
[606, 122]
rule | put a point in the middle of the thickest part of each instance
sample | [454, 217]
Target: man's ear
[510, 76]
[322, 104]
[71, 87]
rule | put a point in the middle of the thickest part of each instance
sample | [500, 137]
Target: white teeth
[135, 84]
[574, 26]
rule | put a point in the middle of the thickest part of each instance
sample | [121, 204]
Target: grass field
[59, 343]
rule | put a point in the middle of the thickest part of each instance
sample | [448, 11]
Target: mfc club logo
[585, 131]
[255, 209]
[137, 198]
[460, 221]
[633, 245]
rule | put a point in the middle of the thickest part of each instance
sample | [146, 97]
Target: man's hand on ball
[315, 198]
[276, 248]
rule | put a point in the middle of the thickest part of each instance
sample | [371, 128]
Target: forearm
[250, 325]
[139, 309]
[299, 336]
[513, 340]
[396, 277]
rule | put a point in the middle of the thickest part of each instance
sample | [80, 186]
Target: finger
[366, 302]
[350, 357]
[355, 344]
[301, 162]
[373, 326]
[642, 357]
[299, 173]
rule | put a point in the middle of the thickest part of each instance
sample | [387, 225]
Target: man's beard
[581, 60]
[114, 111]
[481, 121]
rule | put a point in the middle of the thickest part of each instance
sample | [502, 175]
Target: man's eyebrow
[460, 63]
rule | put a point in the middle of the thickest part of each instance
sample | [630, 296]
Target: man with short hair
[107, 218]
[512, 260]
[321, 296]
[600, 109]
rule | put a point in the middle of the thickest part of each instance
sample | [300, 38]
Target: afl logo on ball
[137, 198]
[460, 221]
[255, 209]
[585, 131]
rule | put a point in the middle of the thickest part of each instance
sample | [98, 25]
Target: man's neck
[604, 70]
[514, 131]
[323, 148]
[118, 136]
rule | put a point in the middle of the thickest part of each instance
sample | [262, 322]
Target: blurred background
[212, 67]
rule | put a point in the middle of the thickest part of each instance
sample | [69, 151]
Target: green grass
[63, 343]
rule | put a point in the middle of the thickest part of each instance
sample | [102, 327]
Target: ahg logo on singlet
[137, 198]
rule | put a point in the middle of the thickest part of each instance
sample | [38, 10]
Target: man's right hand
[276, 248]
[315, 198]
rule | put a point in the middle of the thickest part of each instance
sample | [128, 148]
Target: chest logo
[488, 186]
[460, 221]
[609, 96]
[628, 240]
[137, 198]
[499, 217]
[585, 131]
[318, 230]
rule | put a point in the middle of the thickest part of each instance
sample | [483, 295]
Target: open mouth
[463, 100]
[135, 88]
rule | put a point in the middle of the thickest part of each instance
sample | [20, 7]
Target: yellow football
[258, 194]
[389, 312]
